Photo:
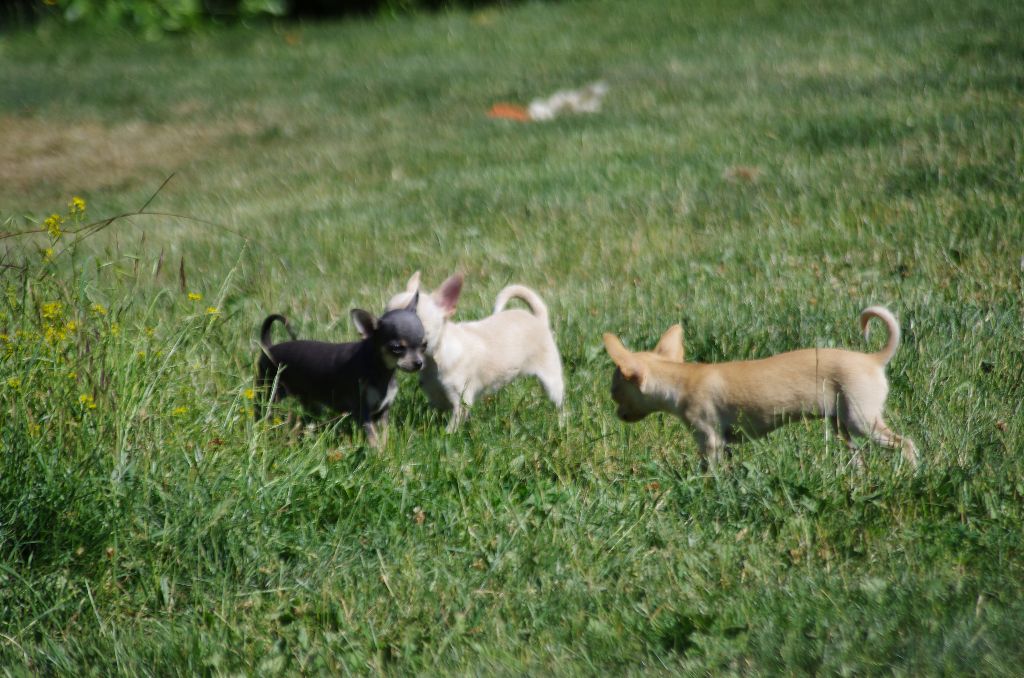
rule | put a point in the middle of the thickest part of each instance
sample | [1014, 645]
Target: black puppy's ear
[412, 304]
[364, 321]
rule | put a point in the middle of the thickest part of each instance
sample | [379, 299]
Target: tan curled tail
[883, 314]
[531, 298]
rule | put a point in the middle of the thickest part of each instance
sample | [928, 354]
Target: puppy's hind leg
[871, 426]
[550, 375]
[267, 390]
[883, 435]
[840, 430]
[549, 372]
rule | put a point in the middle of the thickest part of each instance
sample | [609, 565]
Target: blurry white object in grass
[584, 100]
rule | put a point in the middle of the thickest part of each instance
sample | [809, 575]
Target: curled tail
[883, 314]
[531, 298]
[267, 365]
[265, 330]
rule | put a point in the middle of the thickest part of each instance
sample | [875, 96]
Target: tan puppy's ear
[670, 346]
[630, 366]
[414, 282]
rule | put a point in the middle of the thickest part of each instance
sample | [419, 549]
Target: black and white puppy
[356, 377]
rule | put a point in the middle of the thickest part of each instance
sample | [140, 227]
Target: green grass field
[149, 526]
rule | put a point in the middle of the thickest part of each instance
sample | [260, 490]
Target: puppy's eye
[397, 349]
[423, 346]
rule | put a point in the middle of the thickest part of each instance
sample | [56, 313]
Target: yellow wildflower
[76, 206]
[179, 411]
[34, 429]
[53, 225]
[141, 354]
[52, 310]
[115, 329]
[99, 309]
[250, 394]
[55, 334]
[71, 326]
[14, 383]
[87, 401]
[72, 375]
[194, 296]
[47, 254]
[150, 331]
[212, 310]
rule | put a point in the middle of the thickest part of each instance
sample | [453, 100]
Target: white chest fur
[377, 402]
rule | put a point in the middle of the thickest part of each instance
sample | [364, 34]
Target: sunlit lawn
[760, 173]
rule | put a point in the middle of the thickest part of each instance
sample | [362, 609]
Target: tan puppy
[724, 402]
[466, 360]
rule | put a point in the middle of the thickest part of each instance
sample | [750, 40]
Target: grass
[163, 532]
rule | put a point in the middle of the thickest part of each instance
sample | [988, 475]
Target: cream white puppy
[724, 402]
[466, 360]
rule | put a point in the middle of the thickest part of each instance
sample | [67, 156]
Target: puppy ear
[670, 345]
[364, 321]
[414, 282]
[412, 304]
[630, 366]
[447, 295]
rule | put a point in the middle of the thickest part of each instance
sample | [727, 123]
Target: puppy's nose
[417, 364]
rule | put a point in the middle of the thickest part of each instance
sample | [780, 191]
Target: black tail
[266, 362]
[265, 330]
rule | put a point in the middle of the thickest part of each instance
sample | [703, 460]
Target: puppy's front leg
[376, 429]
[381, 428]
[460, 409]
[458, 414]
[712, 446]
[371, 433]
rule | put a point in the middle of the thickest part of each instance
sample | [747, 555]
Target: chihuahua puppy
[356, 377]
[725, 401]
[466, 360]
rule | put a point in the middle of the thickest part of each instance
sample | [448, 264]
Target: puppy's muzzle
[410, 364]
[628, 417]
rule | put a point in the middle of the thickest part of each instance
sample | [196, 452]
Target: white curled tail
[531, 298]
[883, 314]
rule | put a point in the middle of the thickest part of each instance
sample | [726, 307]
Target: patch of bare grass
[41, 156]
